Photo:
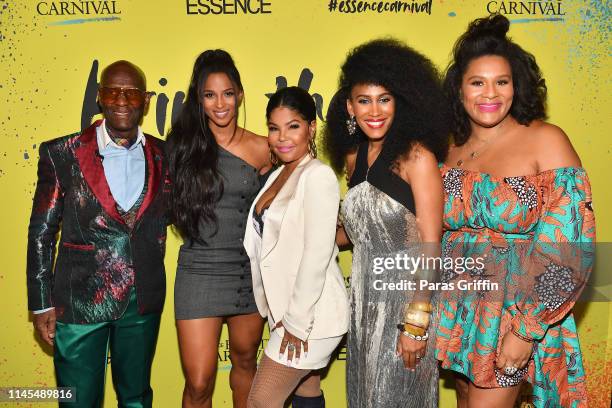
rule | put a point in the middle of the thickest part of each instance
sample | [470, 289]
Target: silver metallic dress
[380, 226]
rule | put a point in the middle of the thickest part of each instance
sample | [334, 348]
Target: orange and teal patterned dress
[531, 241]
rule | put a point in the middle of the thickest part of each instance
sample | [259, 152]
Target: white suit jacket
[296, 278]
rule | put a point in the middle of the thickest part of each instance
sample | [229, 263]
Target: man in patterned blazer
[104, 187]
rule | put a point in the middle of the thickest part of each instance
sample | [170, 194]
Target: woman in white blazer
[290, 239]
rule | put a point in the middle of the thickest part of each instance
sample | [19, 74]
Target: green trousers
[81, 353]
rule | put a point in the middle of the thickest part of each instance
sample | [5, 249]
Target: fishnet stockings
[273, 384]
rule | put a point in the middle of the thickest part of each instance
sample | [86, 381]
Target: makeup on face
[289, 134]
[373, 107]
[487, 90]
[220, 99]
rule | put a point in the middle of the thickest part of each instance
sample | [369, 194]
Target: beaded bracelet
[417, 338]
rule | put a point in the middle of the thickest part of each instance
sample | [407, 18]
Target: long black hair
[193, 151]
[420, 109]
[487, 36]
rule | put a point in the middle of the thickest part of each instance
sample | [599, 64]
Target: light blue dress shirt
[124, 168]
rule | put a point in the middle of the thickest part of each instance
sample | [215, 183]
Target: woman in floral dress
[518, 201]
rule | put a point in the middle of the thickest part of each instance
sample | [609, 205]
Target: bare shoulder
[454, 153]
[257, 147]
[421, 158]
[418, 165]
[255, 140]
[552, 146]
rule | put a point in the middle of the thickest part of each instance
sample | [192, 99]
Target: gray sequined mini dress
[215, 279]
[378, 216]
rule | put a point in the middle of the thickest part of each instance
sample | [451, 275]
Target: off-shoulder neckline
[493, 177]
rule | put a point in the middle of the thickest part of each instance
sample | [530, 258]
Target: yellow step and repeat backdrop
[52, 53]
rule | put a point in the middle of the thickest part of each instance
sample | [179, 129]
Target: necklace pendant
[459, 163]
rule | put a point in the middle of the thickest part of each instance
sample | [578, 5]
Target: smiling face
[373, 107]
[220, 99]
[123, 99]
[289, 134]
[487, 90]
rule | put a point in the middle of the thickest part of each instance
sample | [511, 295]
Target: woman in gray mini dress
[216, 168]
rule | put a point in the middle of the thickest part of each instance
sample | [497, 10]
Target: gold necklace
[476, 152]
[472, 156]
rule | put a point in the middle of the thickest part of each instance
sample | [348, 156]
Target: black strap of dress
[381, 177]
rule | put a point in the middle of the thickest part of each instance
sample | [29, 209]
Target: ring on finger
[291, 347]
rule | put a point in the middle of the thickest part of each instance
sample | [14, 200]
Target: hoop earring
[351, 125]
[273, 158]
[312, 148]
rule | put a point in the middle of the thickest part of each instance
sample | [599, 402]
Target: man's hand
[44, 323]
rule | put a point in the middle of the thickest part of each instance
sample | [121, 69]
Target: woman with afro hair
[387, 129]
[515, 195]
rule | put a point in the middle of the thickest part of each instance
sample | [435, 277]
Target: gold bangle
[417, 318]
[414, 330]
[420, 306]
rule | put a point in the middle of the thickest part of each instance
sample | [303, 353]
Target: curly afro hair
[487, 36]
[421, 114]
